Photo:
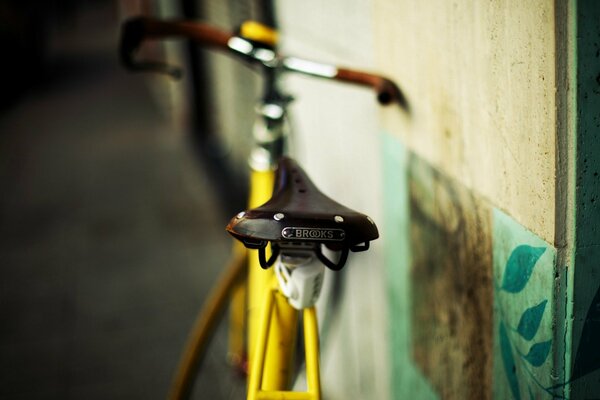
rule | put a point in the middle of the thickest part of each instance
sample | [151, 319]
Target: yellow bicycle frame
[258, 308]
[272, 324]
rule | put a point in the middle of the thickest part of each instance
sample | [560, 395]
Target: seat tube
[311, 343]
[261, 187]
[281, 339]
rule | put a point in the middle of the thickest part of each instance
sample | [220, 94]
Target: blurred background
[116, 188]
[113, 205]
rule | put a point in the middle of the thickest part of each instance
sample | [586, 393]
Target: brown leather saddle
[299, 216]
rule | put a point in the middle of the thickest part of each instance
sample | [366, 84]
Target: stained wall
[480, 157]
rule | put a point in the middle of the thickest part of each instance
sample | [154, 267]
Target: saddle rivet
[278, 216]
[338, 219]
[240, 215]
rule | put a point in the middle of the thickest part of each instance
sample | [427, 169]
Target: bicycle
[279, 260]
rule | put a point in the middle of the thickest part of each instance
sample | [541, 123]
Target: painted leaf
[509, 362]
[588, 350]
[538, 353]
[520, 266]
[530, 320]
[531, 396]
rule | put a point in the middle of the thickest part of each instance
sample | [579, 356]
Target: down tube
[284, 320]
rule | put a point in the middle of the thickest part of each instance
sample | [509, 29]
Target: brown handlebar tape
[198, 32]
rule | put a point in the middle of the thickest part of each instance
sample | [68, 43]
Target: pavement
[110, 235]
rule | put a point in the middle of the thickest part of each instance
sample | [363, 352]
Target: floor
[109, 234]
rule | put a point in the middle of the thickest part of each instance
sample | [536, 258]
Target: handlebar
[136, 30]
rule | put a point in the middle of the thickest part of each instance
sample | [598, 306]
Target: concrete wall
[481, 79]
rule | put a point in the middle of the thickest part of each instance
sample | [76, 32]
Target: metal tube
[258, 362]
[311, 346]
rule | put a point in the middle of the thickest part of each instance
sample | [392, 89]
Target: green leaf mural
[530, 320]
[519, 267]
[524, 284]
[538, 353]
[509, 362]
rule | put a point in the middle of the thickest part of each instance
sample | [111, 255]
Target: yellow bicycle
[290, 232]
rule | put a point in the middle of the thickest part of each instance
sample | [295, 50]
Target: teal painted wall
[446, 252]
[407, 381]
[585, 357]
[438, 260]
